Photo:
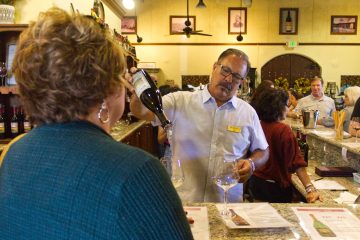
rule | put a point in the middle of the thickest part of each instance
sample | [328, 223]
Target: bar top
[218, 230]
[320, 132]
[122, 129]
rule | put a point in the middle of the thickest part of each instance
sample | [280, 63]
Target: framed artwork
[177, 24]
[237, 20]
[344, 25]
[288, 21]
[10, 53]
[129, 25]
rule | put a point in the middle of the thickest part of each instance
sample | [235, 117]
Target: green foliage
[7, 2]
[282, 82]
[302, 85]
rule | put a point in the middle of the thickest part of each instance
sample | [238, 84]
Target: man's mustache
[226, 85]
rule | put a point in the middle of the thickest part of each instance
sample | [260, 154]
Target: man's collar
[315, 98]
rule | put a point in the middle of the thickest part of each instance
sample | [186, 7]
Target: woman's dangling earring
[103, 112]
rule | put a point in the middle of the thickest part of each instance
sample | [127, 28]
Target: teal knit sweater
[73, 181]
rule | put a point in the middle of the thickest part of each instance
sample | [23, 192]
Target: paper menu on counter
[257, 215]
[328, 185]
[200, 227]
[328, 223]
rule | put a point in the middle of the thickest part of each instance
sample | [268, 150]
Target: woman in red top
[272, 182]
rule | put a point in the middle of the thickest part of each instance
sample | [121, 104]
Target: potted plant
[7, 11]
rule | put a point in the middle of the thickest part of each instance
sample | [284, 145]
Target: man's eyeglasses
[226, 71]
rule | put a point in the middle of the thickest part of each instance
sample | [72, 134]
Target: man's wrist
[252, 164]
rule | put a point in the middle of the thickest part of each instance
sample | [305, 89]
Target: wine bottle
[288, 23]
[298, 133]
[321, 228]
[149, 95]
[2, 122]
[14, 124]
[304, 147]
[27, 124]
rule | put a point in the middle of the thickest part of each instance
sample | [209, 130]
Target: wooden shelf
[13, 27]
[9, 90]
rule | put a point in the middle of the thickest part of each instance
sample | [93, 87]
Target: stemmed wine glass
[177, 173]
[3, 73]
[225, 178]
[355, 122]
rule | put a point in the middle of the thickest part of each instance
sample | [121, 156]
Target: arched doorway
[291, 67]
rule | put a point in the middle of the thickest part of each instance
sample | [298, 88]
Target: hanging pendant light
[239, 38]
[201, 4]
[138, 39]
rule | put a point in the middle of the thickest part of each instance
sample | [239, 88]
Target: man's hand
[243, 170]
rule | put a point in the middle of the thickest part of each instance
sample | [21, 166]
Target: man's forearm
[260, 157]
[139, 110]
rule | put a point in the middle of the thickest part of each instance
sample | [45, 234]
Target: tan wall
[28, 10]
[262, 27]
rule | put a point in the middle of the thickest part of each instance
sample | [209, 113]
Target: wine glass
[225, 178]
[355, 123]
[3, 73]
[177, 173]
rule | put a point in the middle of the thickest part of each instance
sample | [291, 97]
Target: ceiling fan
[188, 29]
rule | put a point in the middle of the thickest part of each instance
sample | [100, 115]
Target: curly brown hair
[271, 104]
[65, 66]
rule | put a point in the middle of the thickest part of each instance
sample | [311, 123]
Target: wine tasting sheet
[200, 227]
[258, 215]
[330, 223]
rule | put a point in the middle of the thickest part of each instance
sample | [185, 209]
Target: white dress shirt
[204, 135]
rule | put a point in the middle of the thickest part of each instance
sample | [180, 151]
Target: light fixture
[138, 39]
[239, 38]
[201, 4]
[128, 4]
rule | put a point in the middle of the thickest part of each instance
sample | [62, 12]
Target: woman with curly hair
[272, 182]
[264, 85]
[68, 178]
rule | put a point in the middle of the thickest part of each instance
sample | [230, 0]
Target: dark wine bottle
[2, 122]
[288, 23]
[304, 147]
[14, 123]
[149, 95]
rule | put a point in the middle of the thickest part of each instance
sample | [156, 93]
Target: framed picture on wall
[10, 53]
[288, 21]
[129, 25]
[343, 25]
[177, 24]
[237, 20]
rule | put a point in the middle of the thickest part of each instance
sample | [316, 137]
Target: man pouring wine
[212, 126]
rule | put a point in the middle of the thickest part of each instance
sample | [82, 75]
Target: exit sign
[291, 44]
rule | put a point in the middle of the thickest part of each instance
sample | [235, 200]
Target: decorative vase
[7, 14]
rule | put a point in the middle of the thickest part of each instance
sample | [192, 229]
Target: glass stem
[225, 202]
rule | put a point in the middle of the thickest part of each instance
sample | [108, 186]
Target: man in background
[316, 101]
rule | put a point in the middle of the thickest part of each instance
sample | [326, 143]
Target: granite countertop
[123, 129]
[218, 230]
[328, 196]
[348, 143]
